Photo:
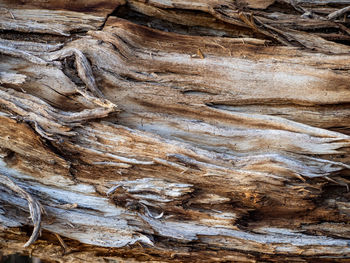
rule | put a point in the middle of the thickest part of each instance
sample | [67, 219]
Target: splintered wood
[175, 131]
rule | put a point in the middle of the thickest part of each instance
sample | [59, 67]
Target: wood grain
[143, 141]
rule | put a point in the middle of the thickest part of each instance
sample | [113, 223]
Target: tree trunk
[175, 131]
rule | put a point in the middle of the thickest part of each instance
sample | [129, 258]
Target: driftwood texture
[175, 131]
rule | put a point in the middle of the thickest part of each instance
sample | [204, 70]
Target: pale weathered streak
[30, 46]
[48, 22]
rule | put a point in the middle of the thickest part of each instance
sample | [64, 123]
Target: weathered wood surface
[175, 130]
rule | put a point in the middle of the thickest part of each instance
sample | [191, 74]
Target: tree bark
[175, 131]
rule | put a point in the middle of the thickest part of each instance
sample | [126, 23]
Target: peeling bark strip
[35, 208]
[174, 131]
